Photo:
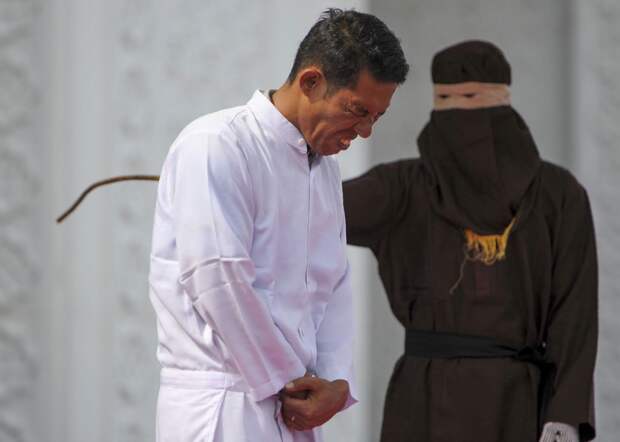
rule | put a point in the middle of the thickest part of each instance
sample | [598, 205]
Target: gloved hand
[558, 432]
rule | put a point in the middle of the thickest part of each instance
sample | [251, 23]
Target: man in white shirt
[249, 276]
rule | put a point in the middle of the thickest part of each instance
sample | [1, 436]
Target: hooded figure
[487, 255]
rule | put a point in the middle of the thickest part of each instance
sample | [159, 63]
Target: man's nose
[364, 128]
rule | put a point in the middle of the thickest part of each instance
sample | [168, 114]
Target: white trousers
[199, 406]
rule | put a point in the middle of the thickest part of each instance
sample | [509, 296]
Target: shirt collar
[267, 114]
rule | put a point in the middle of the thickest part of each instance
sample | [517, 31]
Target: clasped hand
[309, 401]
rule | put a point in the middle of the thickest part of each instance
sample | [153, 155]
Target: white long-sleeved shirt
[249, 274]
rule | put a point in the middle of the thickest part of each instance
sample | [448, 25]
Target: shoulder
[561, 197]
[560, 185]
[403, 166]
[397, 182]
[404, 173]
[215, 122]
[399, 176]
[211, 138]
[400, 167]
[557, 176]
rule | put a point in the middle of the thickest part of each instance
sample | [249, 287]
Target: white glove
[558, 432]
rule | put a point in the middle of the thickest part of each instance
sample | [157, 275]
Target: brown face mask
[480, 163]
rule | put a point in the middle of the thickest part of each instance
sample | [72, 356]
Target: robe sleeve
[573, 322]
[213, 211]
[335, 333]
[371, 202]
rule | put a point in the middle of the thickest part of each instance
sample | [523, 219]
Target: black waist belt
[436, 345]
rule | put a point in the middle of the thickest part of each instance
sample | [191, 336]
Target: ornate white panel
[596, 113]
[19, 192]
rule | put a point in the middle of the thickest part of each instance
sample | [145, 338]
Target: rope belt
[435, 345]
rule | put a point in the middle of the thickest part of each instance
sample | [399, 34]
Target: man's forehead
[374, 95]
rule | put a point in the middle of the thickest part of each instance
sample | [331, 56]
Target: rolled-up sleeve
[212, 206]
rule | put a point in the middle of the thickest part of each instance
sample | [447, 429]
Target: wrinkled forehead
[373, 95]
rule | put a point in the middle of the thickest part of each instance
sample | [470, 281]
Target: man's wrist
[342, 387]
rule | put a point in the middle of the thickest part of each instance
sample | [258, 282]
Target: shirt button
[301, 332]
[301, 142]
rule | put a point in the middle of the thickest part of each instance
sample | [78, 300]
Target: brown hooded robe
[479, 169]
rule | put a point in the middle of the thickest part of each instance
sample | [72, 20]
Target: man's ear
[312, 83]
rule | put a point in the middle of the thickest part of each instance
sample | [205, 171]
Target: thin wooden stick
[105, 182]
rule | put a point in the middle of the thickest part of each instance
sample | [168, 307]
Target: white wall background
[91, 88]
